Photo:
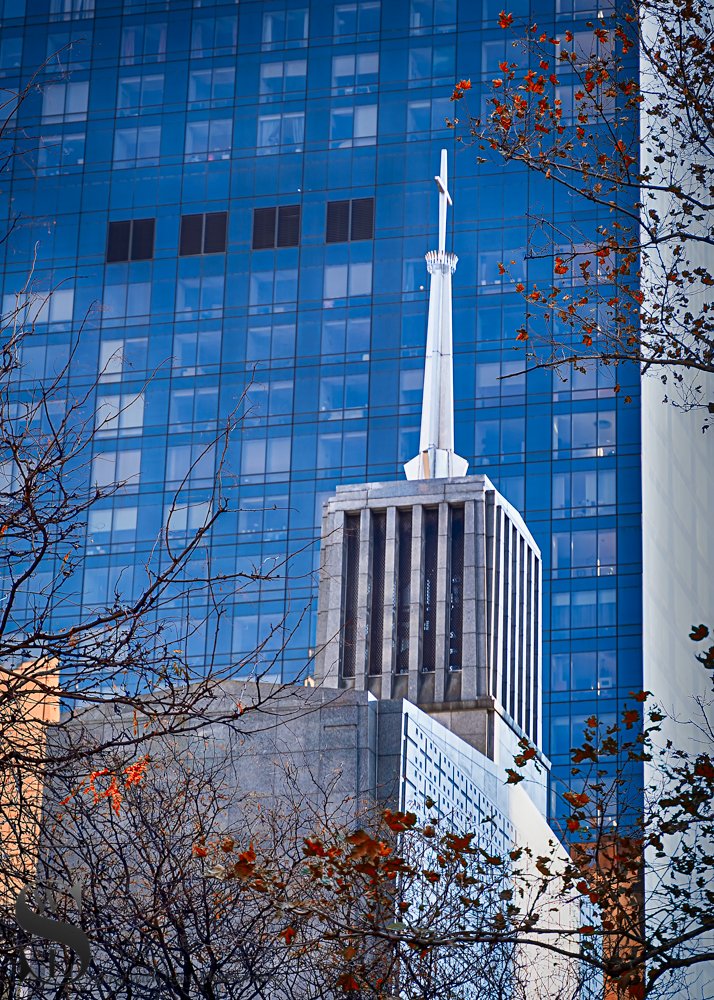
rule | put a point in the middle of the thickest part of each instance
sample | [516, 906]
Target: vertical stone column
[330, 613]
[481, 604]
[538, 671]
[499, 605]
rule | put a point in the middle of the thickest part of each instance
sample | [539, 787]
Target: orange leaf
[505, 20]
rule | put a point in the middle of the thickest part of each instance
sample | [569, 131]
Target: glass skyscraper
[240, 195]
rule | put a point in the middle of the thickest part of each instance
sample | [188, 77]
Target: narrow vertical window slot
[404, 589]
[349, 611]
[431, 541]
[456, 599]
[376, 597]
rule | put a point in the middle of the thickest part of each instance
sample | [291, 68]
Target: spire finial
[436, 458]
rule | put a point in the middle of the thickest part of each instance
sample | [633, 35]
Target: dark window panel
[263, 228]
[362, 219]
[118, 241]
[288, 226]
[214, 239]
[338, 221]
[191, 235]
[142, 239]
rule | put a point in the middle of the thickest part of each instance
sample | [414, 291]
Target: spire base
[436, 463]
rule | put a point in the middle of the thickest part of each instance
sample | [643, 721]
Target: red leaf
[699, 632]
[640, 696]
[288, 934]
[399, 821]
[704, 767]
[505, 20]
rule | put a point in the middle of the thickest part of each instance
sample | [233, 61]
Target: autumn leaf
[459, 844]
[288, 934]
[398, 821]
[630, 717]
[640, 696]
[513, 776]
[704, 768]
[505, 20]
[577, 799]
[573, 824]
[199, 851]
[313, 848]
[698, 633]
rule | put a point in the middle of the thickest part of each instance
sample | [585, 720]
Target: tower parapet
[431, 591]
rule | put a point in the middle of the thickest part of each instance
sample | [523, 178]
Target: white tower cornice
[437, 458]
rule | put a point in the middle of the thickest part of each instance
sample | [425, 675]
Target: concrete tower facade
[430, 590]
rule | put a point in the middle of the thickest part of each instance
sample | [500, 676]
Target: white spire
[436, 458]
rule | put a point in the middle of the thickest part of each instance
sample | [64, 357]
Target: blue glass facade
[157, 110]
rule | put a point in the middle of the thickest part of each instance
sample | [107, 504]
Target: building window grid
[276, 226]
[360, 19]
[287, 28]
[349, 220]
[203, 233]
[132, 239]
[283, 79]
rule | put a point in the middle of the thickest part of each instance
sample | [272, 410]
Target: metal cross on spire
[436, 458]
